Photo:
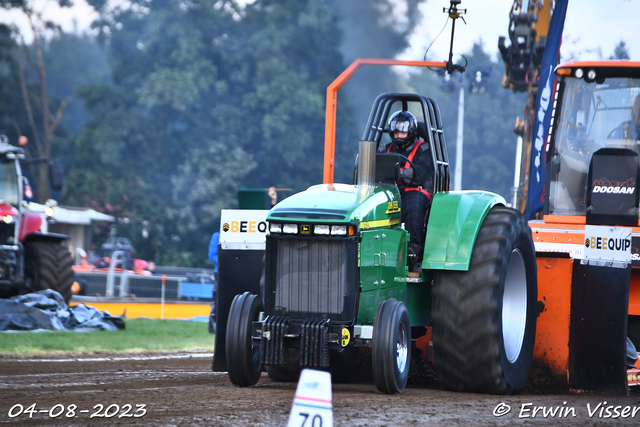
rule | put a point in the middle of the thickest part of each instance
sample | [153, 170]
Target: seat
[422, 131]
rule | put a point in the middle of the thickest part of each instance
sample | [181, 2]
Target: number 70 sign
[312, 402]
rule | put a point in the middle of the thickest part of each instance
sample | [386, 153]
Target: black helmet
[403, 121]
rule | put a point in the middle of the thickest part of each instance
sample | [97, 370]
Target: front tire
[484, 319]
[391, 347]
[48, 266]
[243, 358]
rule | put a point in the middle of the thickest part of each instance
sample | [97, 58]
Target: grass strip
[139, 335]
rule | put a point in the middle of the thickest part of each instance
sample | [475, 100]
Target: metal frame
[332, 104]
[434, 135]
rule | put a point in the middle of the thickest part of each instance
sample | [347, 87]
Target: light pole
[457, 174]
[477, 85]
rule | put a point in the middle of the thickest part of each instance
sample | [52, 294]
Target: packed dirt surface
[179, 389]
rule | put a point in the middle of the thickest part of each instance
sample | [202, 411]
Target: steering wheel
[626, 127]
[410, 164]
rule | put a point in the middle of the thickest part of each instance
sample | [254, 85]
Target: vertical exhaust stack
[366, 169]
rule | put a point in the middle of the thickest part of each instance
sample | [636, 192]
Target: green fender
[454, 223]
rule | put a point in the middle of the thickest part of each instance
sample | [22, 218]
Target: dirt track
[182, 391]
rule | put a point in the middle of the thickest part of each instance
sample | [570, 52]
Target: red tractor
[30, 260]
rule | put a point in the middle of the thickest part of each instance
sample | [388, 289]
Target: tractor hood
[371, 207]
[367, 205]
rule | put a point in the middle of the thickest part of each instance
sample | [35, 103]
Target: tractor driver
[415, 182]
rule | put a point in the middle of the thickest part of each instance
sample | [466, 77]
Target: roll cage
[429, 128]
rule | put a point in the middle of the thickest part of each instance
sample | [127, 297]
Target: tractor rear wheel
[484, 319]
[243, 358]
[48, 266]
[391, 346]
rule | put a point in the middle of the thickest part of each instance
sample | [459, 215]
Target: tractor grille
[311, 276]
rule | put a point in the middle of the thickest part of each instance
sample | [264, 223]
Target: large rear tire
[243, 358]
[391, 347]
[484, 319]
[48, 266]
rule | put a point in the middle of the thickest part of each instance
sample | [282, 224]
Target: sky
[592, 27]
[589, 25]
[79, 16]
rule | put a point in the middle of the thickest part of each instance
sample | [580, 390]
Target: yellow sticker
[393, 207]
[346, 337]
[365, 225]
[305, 229]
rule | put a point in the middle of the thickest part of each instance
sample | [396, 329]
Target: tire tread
[466, 328]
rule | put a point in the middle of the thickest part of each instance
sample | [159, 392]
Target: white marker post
[312, 402]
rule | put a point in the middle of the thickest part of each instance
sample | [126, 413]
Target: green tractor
[335, 279]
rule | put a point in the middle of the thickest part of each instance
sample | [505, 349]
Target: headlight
[275, 228]
[321, 229]
[290, 228]
[339, 230]
[8, 219]
[49, 211]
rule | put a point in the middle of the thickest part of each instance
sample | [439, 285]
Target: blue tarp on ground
[47, 310]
